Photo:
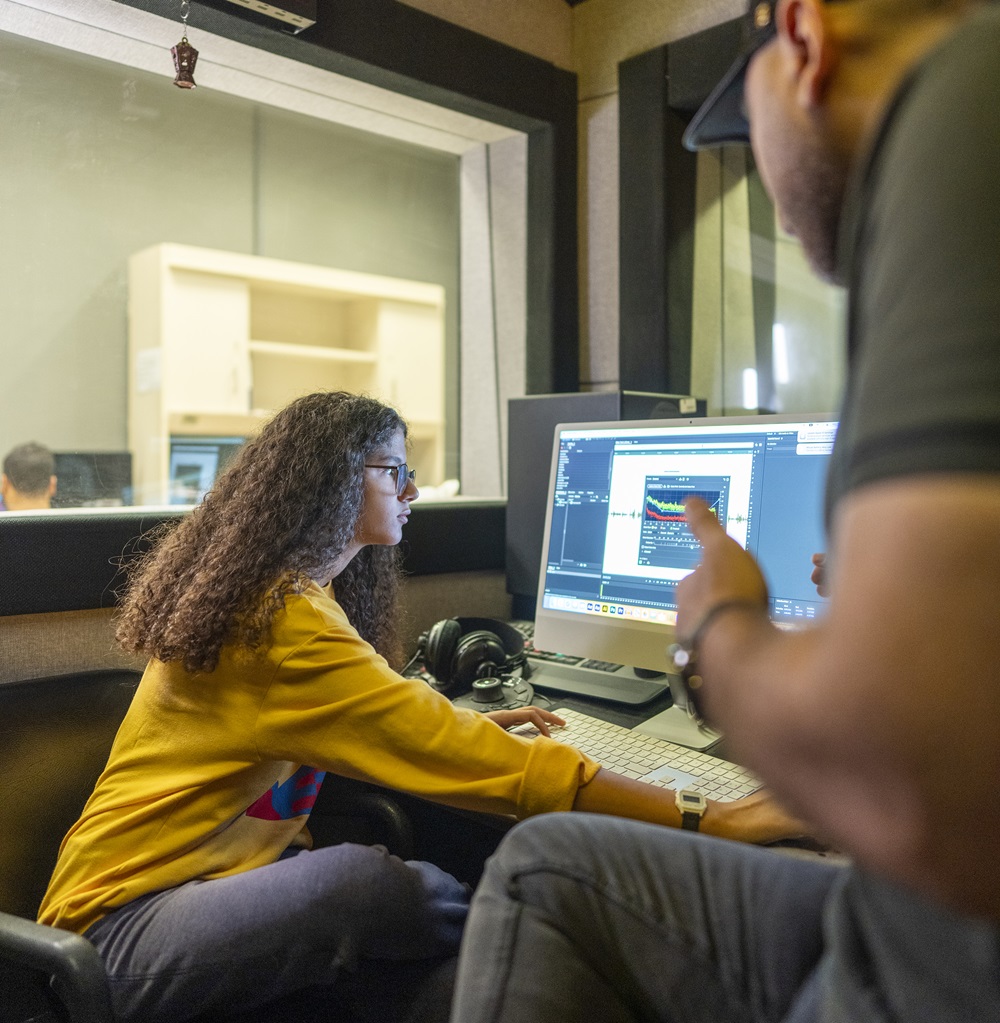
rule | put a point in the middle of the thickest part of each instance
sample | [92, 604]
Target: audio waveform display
[668, 505]
[665, 540]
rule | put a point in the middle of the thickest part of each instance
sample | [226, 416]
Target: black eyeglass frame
[400, 473]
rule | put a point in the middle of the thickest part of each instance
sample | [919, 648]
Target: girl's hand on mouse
[541, 719]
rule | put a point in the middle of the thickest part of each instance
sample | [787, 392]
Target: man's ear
[53, 481]
[806, 41]
[4, 483]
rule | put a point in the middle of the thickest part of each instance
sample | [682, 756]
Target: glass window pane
[107, 161]
[767, 334]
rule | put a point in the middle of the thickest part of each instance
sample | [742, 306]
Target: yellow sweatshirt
[214, 774]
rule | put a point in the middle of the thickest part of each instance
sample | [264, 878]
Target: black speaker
[531, 423]
[455, 652]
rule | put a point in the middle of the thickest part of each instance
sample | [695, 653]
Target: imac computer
[531, 418]
[616, 543]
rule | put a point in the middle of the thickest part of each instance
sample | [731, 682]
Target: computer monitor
[531, 421]
[616, 542]
[194, 464]
[89, 479]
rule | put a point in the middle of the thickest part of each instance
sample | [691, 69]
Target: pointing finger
[701, 519]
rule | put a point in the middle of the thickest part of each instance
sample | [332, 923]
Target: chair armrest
[390, 823]
[349, 810]
[72, 964]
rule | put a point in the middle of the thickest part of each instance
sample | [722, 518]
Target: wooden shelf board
[212, 424]
[316, 352]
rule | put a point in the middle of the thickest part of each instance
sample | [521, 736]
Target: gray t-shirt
[920, 248]
[920, 243]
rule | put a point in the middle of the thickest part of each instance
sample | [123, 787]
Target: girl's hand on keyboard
[757, 818]
[541, 719]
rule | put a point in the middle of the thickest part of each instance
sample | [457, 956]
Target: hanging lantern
[184, 54]
[185, 57]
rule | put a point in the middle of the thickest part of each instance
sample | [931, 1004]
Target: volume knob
[487, 690]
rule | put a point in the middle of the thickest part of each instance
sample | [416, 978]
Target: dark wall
[73, 561]
[659, 90]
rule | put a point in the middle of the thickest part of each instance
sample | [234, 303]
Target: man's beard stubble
[813, 203]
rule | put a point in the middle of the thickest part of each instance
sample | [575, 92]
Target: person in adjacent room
[28, 481]
[875, 127]
[269, 617]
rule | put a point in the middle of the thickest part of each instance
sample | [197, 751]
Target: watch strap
[690, 821]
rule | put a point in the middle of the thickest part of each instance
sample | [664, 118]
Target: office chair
[55, 736]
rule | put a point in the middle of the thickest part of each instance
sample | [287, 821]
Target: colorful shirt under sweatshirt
[214, 774]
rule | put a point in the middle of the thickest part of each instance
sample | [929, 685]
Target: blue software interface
[617, 541]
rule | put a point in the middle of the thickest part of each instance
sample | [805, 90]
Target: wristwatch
[685, 655]
[692, 805]
[685, 660]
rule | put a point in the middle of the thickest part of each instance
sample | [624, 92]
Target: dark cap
[721, 119]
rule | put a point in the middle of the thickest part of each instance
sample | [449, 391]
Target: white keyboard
[648, 759]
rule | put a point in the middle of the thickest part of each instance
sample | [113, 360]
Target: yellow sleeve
[335, 704]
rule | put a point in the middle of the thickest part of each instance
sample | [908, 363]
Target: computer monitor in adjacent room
[92, 479]
[616, 542]
[194, 464]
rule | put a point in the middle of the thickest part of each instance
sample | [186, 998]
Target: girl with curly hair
[268, 616]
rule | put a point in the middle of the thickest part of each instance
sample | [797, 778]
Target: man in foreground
[875, 125]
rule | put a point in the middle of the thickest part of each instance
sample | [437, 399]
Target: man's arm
[881, 725]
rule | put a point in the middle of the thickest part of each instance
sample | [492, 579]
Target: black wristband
[685, 655]
[713, 612]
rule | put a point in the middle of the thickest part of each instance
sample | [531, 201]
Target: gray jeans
[581, 917]
[345, 932]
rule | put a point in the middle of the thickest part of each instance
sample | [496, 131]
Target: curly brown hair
[281, 513]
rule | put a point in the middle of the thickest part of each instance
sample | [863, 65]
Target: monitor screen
[616, 542]
[531, 418]
[194, 464]
[91, 479]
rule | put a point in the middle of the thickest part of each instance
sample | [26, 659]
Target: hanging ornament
[184, 54]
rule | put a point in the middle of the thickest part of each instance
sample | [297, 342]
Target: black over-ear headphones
[457, 651]
[481, 654]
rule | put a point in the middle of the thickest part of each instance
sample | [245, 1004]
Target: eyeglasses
[400, 474]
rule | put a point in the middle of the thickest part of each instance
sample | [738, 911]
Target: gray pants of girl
[344, 932]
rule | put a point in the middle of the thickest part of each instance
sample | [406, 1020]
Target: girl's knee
[384, 900]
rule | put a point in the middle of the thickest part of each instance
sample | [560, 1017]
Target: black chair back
[55, 737]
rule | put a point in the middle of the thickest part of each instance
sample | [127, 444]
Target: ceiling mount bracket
[294, 15]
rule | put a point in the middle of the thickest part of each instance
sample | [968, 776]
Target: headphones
[456, 653]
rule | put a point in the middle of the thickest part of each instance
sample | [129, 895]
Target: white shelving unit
[218, 341]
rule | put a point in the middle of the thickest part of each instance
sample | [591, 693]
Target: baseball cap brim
[721, 119]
